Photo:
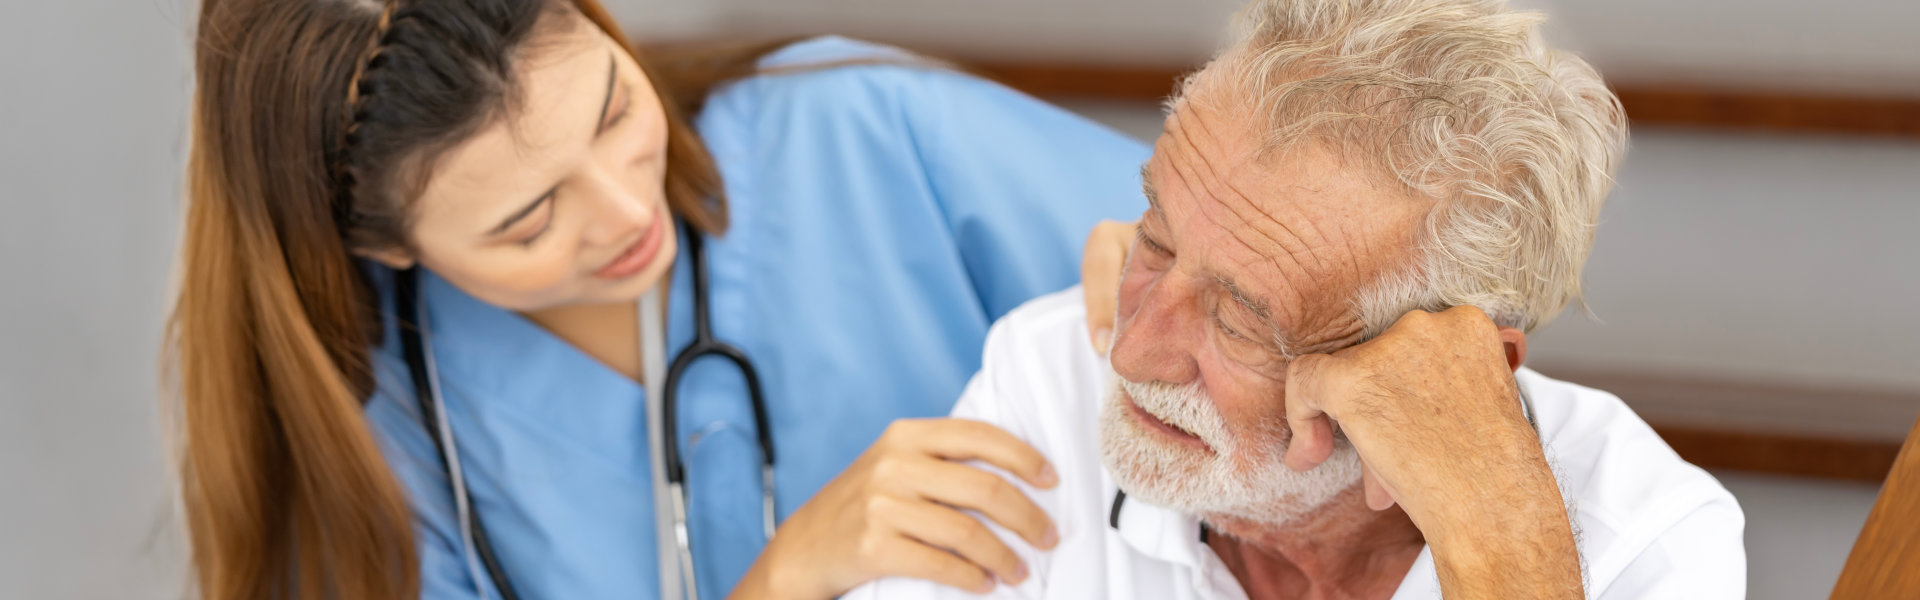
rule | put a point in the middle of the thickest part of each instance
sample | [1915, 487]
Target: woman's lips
[1175, 434]
[640, 254]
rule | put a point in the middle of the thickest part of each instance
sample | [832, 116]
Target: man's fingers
[964, 439]
[1101, 264]
[1378, 497]
[1307, 395]
[967, 487]
[1312, 442]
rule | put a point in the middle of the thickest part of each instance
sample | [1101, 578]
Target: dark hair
[314, 122]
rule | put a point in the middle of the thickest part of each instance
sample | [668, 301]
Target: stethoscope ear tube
[411, 316]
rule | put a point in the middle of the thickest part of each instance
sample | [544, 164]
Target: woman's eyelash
[625, 109]
[542, 232]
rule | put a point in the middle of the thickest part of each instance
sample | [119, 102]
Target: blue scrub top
[883, 215]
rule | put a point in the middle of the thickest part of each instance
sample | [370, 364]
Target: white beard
[1243, 478]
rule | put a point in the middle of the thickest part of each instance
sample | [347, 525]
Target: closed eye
[1140, 235]
[546, 224]
[1221, 324]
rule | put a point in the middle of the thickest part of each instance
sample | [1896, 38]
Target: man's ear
[1515, 342]
[398, 259]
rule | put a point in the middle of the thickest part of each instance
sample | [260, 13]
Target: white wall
[94, 100]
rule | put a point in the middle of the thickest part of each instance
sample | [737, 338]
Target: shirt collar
[1156, 531]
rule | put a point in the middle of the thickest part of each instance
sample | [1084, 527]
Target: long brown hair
[312, 121]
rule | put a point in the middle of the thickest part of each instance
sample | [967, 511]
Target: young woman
[411, 345]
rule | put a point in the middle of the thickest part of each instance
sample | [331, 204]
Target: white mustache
[1184, 406]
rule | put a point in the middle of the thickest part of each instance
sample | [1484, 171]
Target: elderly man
[1280, 415]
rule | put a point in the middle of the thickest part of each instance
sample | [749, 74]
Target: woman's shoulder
[830, 76]
[831, 49]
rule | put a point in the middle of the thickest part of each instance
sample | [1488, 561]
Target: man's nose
[1158, 339]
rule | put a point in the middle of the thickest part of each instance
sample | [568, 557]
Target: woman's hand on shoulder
[896, 511]
[1101, 266]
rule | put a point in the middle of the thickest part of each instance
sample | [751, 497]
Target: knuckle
[1304, 369]
[893, 432]
[889, 467]
[973, 534]
[1000, 492]
[958, 573]
[871, 549]
[879, 505]
[1030, 462]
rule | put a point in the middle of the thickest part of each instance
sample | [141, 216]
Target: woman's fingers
[964, 439]
[1101, 265]
[903, 556]
[948, 528]
[967, 487]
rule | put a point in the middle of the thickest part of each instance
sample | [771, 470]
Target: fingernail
[1103, 340]
[1048, 478]
[1051, 539]
[986, 585]
[1019, 573]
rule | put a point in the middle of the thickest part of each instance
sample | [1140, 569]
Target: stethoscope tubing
[417, 350]
[426, 387]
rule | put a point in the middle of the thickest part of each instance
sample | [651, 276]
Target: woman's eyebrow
[607, 103]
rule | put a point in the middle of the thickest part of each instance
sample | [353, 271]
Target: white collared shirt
[1649, 525]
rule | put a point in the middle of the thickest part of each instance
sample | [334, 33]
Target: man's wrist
[1502, 545]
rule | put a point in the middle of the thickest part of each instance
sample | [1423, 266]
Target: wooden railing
[1885, 562]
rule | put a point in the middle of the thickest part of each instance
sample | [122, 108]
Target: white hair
[1457, 100]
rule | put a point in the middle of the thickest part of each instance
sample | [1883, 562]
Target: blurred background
[1751, 289]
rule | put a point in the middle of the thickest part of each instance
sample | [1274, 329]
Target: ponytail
[286, 493]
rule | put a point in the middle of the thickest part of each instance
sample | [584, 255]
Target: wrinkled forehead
[1217, 165]
[1302, 225]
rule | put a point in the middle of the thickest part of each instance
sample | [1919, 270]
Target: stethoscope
[416, 342]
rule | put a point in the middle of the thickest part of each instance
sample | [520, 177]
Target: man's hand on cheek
[1432, 408]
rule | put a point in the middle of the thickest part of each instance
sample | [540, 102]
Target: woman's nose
[618, 214]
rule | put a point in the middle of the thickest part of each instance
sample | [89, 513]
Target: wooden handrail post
[1885, 562]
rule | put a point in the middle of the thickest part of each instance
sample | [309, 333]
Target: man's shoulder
[1047, 318]
[1627, 490]
[1038, 369]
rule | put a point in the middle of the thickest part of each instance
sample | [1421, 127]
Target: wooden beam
[1646, 104]
[1771, 112]
[1885, 562]
[1781, 453]
[1718, 423]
